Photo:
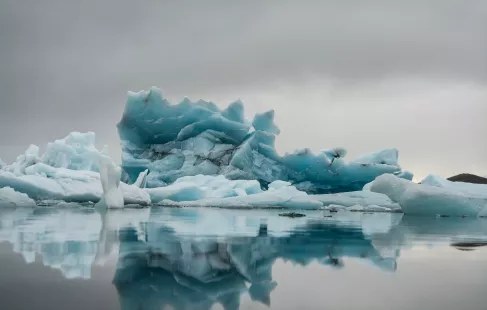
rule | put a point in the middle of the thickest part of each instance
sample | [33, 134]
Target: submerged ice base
[193, 138]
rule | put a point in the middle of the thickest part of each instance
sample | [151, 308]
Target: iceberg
[192, 138]
[443, 198]
[67, 171]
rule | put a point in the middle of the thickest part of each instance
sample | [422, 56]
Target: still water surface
[183, 258]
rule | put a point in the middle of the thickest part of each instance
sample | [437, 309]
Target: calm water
[171, 258]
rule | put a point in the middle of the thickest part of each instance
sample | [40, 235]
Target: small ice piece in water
[110, 174]
[335, 208]
[356, 208]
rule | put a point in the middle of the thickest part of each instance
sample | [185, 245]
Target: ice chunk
[408, 175]
[110, 182]
[192, 138]
[362, 198]
[284, 196]
[265, 122]
[423, 199]
[466, 188]
[10, 198]
[370, 208]
[29, 158]
[356, 208]
[176, 192]
[67, 171]
[384, 157]
[367, 186]
[278, 184]
[43, 182]
[197, 187]
[77, 151]
[141, 181]
[335, 208]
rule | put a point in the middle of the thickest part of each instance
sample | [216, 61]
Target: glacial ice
[361, 198]
[110, 174]
[193, 138]
[195, 154]
[70, 176]
[422, 199]
[466, 188]
[141, 181]
[10, 198]
[76, 152]
[61, 176]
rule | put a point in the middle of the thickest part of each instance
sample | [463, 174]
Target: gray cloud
[67, 65]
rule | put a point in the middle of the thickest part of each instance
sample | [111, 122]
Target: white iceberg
[56, 176]
[422, 199]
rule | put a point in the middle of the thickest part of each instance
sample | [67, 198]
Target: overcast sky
[364, 75]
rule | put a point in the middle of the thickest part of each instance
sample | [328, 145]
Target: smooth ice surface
[67, 171]
[423, 199]
[10, 198]
[193, 138]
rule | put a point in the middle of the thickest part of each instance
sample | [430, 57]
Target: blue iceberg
[192, 138]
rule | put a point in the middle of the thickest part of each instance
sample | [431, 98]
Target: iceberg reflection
[194, 258]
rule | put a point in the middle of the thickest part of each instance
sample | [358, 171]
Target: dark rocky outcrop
[468, 178]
